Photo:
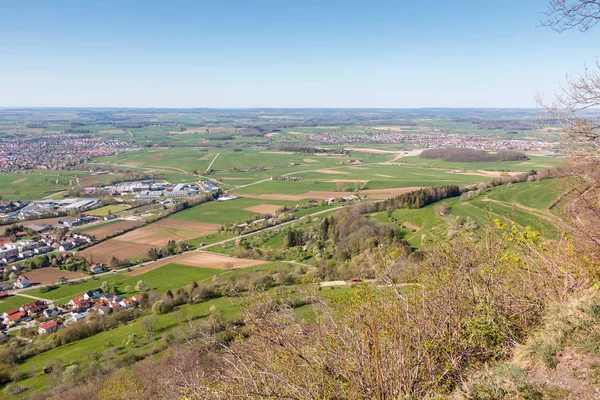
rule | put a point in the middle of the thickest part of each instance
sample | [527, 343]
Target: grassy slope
[535, 195]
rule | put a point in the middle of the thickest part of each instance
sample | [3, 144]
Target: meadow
[223, 212]
[108, 210]
[537, 163]
[526, 204]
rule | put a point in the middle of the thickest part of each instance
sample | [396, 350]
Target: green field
[223, 212]
[167, 277]
[535, 162]
[210, 239]
[524, 203]
[108, 210]
[34, 185]
[67, 291]
[89, 228]
[13, 302]
[80, 351]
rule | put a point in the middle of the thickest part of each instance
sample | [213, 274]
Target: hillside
[526, 204]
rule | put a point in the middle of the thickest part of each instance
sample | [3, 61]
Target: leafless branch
[563, 15]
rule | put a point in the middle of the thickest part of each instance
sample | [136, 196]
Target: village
[44, 317]
[64, 240]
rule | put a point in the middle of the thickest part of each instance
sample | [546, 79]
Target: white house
[48, 327]
[22, 282]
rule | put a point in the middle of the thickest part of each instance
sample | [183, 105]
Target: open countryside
[301, 200]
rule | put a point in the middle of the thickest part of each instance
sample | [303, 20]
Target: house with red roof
[6, 314]
[79, 302]
[48, 327]
[33, 308]
[14, 318]
[127, 303]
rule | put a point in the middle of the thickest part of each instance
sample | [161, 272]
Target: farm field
[109, 228]
[199, 259]
[63, 293]
[33, 186]
[223, 212]
[79, 352]
[105, 251]
[107, 210]
[159, 235]
[50, 275]
[534, 162]
[169, 276]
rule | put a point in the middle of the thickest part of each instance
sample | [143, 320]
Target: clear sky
[281, 53]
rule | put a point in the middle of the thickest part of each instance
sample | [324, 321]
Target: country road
[211, 163]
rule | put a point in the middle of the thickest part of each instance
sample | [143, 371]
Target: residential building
[48, 327]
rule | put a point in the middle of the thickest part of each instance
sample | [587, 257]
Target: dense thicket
[420, 198]
[348, 233]
[472, 155]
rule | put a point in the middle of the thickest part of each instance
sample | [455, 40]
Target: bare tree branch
[563, 15]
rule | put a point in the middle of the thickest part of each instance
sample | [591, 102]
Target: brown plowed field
[111, 229]
[50, 275]
[172, 223]
[199, 259]
[140, 240]
[104, 251]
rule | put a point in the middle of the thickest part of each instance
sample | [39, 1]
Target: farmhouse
[22, 282]
[48, 327]
[95, 269]
[14, 318]
[33, 308]
[8, 313]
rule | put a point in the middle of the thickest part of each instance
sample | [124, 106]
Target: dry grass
[263, 208]
[331, 172]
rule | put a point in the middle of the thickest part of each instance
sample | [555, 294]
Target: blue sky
[429, 53]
